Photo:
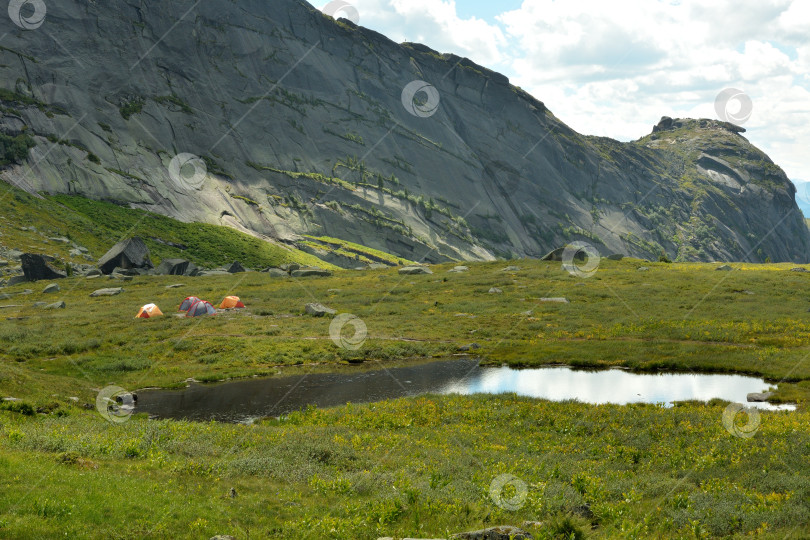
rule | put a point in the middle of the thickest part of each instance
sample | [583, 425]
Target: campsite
[404, 270]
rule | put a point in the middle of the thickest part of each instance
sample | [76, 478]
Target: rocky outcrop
[36, 268]
[172, 267]
[127, 254]
[486, 171]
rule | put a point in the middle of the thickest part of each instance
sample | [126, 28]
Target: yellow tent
[147, 311]
[231, 302]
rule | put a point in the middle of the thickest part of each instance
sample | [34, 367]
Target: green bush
[15, 149]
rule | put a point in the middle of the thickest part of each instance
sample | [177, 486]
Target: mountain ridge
[299, 124]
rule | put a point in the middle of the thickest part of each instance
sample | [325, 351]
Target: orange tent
[147, 311]
[231, 302]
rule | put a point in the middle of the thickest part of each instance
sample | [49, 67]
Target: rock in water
[35, 268]
[759, 397]
[126, 254]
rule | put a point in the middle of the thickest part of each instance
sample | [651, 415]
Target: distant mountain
[304, 125]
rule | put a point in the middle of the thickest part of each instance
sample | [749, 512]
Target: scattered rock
[759, 397]
[11, 306]
[107, 292]
[223, 537]
[3, 264]
[16, 280]
[93, 272]
[511, 269]
[414, 270]
[642, 269]
[36, 268]
[583, 510]
[175, 286]
[312, 271]
[130, 253]
[277, 272]
[470, 347]
[290, 267]
[172, 267]
[495, 290]
[559, 300]
[74, 399]
[57, 305]
[615, 257]
[60, 239]
[52, 288]
[11, 399]
[531, 524]
[319, 310]
[798, 269]
[39, 304]
[528, 313]
[504, 532]
[460, 269]
[378, 266]
[236, 268]
[724, 268]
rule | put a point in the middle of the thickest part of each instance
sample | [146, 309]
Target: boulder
[511, 269]
[93, 272]
[460, 269]
[495, 290]
[798, 269]
[236, 268]
[131, 272]
[107, 292]
[35, 268]
[16, 280]
[52, 288]
[504, 532]
[126, 254]
[319, 310]
[414, 270]
[3, 264]
[289, 267]
[559, 300]
[312, 271]
[277, 272]
[172, 267]
[724, 268]
[37, 304]
[642, 269]
[759, 397]
[470, 347]
[57, 305]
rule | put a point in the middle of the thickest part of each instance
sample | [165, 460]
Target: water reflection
[242, 400]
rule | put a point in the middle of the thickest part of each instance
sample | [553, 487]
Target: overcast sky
[613, 68]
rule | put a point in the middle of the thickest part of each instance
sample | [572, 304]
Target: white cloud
[614, 68]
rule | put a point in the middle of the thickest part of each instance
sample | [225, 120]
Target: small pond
[243, 400]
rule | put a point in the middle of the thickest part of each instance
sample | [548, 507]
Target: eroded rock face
[487, 172]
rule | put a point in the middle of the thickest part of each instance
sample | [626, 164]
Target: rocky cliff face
[275, 119]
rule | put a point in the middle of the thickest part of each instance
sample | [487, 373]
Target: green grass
[421, 466]
[98, 225]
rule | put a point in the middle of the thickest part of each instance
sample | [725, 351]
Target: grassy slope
[98, 225]
[422, 466]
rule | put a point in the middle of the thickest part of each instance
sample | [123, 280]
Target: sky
[615, 68]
